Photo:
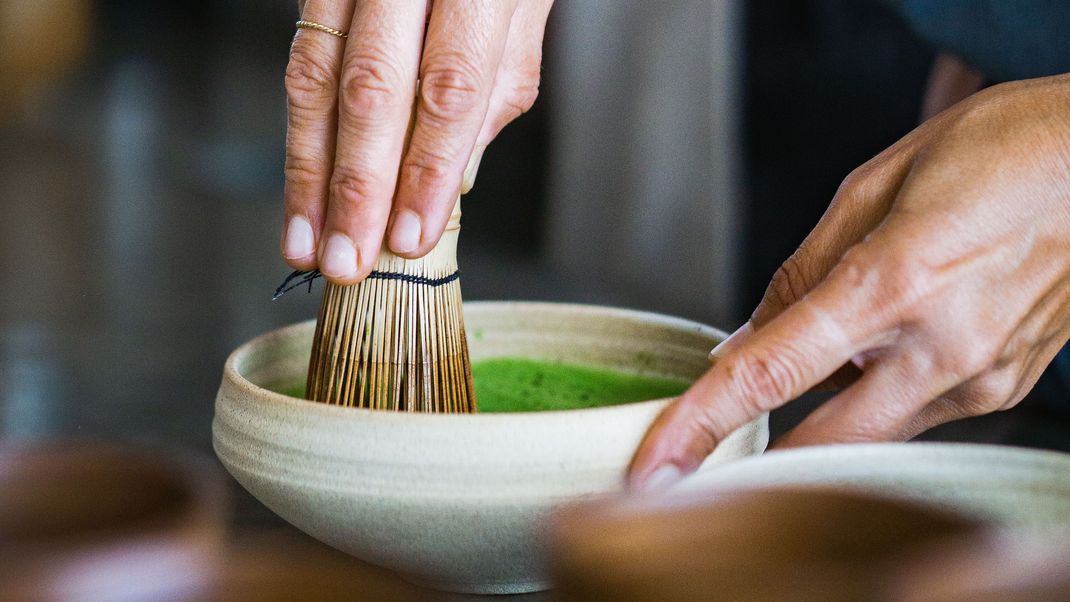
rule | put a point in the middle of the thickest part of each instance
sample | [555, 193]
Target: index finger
[376, 89]
[311, 94]
[465, 41]
[792, 353]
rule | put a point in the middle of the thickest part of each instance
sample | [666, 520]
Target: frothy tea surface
[526, 385]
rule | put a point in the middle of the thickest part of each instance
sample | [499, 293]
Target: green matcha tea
[525, 385]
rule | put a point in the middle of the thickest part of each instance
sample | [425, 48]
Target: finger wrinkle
[306, 154]
[426, 168]
[310, 76]
[304, 173]
[372, 70]
[303, 119]
[760, 379]
[711, 420]
[448, 93]
[353, 187]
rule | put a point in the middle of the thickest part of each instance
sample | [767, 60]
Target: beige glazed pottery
[454, 501]
[1000, 485]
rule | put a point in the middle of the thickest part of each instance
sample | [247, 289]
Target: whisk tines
[396, 340]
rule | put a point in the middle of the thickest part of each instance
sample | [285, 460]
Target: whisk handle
[454, 222]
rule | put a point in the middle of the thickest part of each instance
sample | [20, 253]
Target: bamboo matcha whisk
[396, 340]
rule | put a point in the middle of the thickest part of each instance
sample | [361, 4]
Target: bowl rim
[886, 458]
[233, 376]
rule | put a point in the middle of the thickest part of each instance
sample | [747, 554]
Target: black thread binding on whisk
[432, 282]
[303, 277]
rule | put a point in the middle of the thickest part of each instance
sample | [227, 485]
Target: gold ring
[313, 25]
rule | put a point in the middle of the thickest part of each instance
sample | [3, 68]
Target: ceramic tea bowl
[999, 485]
[454, 501]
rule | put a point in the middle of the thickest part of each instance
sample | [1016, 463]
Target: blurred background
[678, 153]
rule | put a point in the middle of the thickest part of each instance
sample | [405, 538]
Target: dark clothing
[1054, 385]
[1003, 39]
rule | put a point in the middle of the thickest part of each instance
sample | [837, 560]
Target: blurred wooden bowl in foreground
[1001, 564]
[92, 521]
[759, 544]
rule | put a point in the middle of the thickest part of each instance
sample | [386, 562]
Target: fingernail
[469, 179]
[299, 239]
[662, 478]
[732, 341]
[405, 234]
[339, 257]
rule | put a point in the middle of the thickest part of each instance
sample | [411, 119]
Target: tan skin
[935, 287]
[351, 180]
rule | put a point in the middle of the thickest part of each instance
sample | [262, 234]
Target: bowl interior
[632, 342]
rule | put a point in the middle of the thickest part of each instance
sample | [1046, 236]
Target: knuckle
[707, 425]
[965, 346]
[857, 268]
[999, 387]
[448, 92]
[369, 84]
[970, 358]
[761, 381]
[854, 182]
[898, 277]
[303, 172]
[516, 101]
[1018, 340]
[426, 166]
[976, 110]
[905, 280]
[309, 80]
[982, 396]
[523, 96]
[353, 187]
[868, 184]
